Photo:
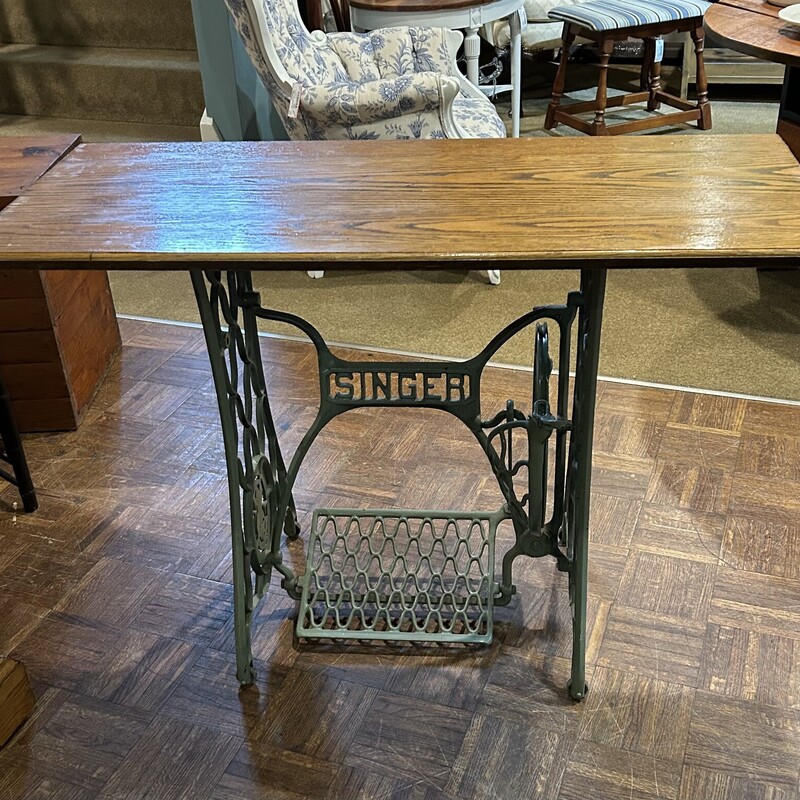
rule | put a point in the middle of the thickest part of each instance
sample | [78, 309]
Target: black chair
[12, 453]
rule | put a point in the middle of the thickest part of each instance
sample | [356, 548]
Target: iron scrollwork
[262, 506]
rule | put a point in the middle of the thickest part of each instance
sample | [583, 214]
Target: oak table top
[23, 160]
[549, 203]
[753, 27]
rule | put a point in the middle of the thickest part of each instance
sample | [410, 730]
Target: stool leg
[653, 103]
[647, 63]
[567, 38]
[698, 37]
[598, 127]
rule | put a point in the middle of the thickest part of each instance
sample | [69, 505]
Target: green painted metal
[575, 530]
[556, 451]
[399, 575]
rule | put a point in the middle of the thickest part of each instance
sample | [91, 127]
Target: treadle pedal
[400, 575]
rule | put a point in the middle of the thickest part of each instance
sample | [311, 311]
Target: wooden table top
[23, 160]
[753, 27]
[702, 200]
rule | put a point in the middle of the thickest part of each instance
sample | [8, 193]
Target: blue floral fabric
[391, 83]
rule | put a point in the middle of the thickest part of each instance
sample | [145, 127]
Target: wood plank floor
[116, 595]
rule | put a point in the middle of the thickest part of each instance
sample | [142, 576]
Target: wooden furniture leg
[341, 14]
[698, 37]
[647, 63]
[653, 103]
[567, 38]
[598, 127]
[789, 113]
[686, 60]
[16, 698]
[314, 15]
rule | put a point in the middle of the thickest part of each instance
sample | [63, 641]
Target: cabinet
[58, 329]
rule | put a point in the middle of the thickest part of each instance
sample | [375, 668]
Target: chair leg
[567, 38]
[314, 15]
[341, 14]
[515, 25]
[653, 103]
[686, 60]
[598, 127]
[14, 454]
[698, 37]
[647, 63]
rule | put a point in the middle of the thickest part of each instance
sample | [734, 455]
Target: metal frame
[13, 454]
[260, 483]
[400, 575]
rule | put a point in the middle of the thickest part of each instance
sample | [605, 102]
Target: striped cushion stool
[609, 21]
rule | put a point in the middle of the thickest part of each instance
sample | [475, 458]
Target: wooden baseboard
[16, 697]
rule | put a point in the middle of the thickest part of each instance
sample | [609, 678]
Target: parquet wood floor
[116, 595]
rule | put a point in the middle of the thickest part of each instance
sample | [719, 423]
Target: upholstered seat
[607, 15]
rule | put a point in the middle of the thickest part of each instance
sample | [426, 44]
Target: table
[467, 15]
[221, 210]
[754, 28]
[58, 330]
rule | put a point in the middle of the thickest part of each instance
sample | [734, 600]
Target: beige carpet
[726, 330]
[731, 330]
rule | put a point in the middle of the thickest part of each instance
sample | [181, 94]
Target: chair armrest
[375, 100]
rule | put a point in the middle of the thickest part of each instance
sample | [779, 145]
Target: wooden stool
[609, 21]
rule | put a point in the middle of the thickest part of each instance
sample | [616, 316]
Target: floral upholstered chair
[391, 83]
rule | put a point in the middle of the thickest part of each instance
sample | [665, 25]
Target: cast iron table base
[416, 575]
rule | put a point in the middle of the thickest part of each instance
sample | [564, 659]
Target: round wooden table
[466, 15]
[754, 28]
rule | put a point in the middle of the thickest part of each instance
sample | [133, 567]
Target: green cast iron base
[399, 575]
[355, 587]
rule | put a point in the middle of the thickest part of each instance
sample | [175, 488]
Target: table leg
[515, 25]
[472, 51]
[579, 478]
[789, 113]
[260, 496]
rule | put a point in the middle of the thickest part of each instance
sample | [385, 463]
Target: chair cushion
[476, 120]
[607, 15]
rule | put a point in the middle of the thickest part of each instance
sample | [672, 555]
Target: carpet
[724, 330]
